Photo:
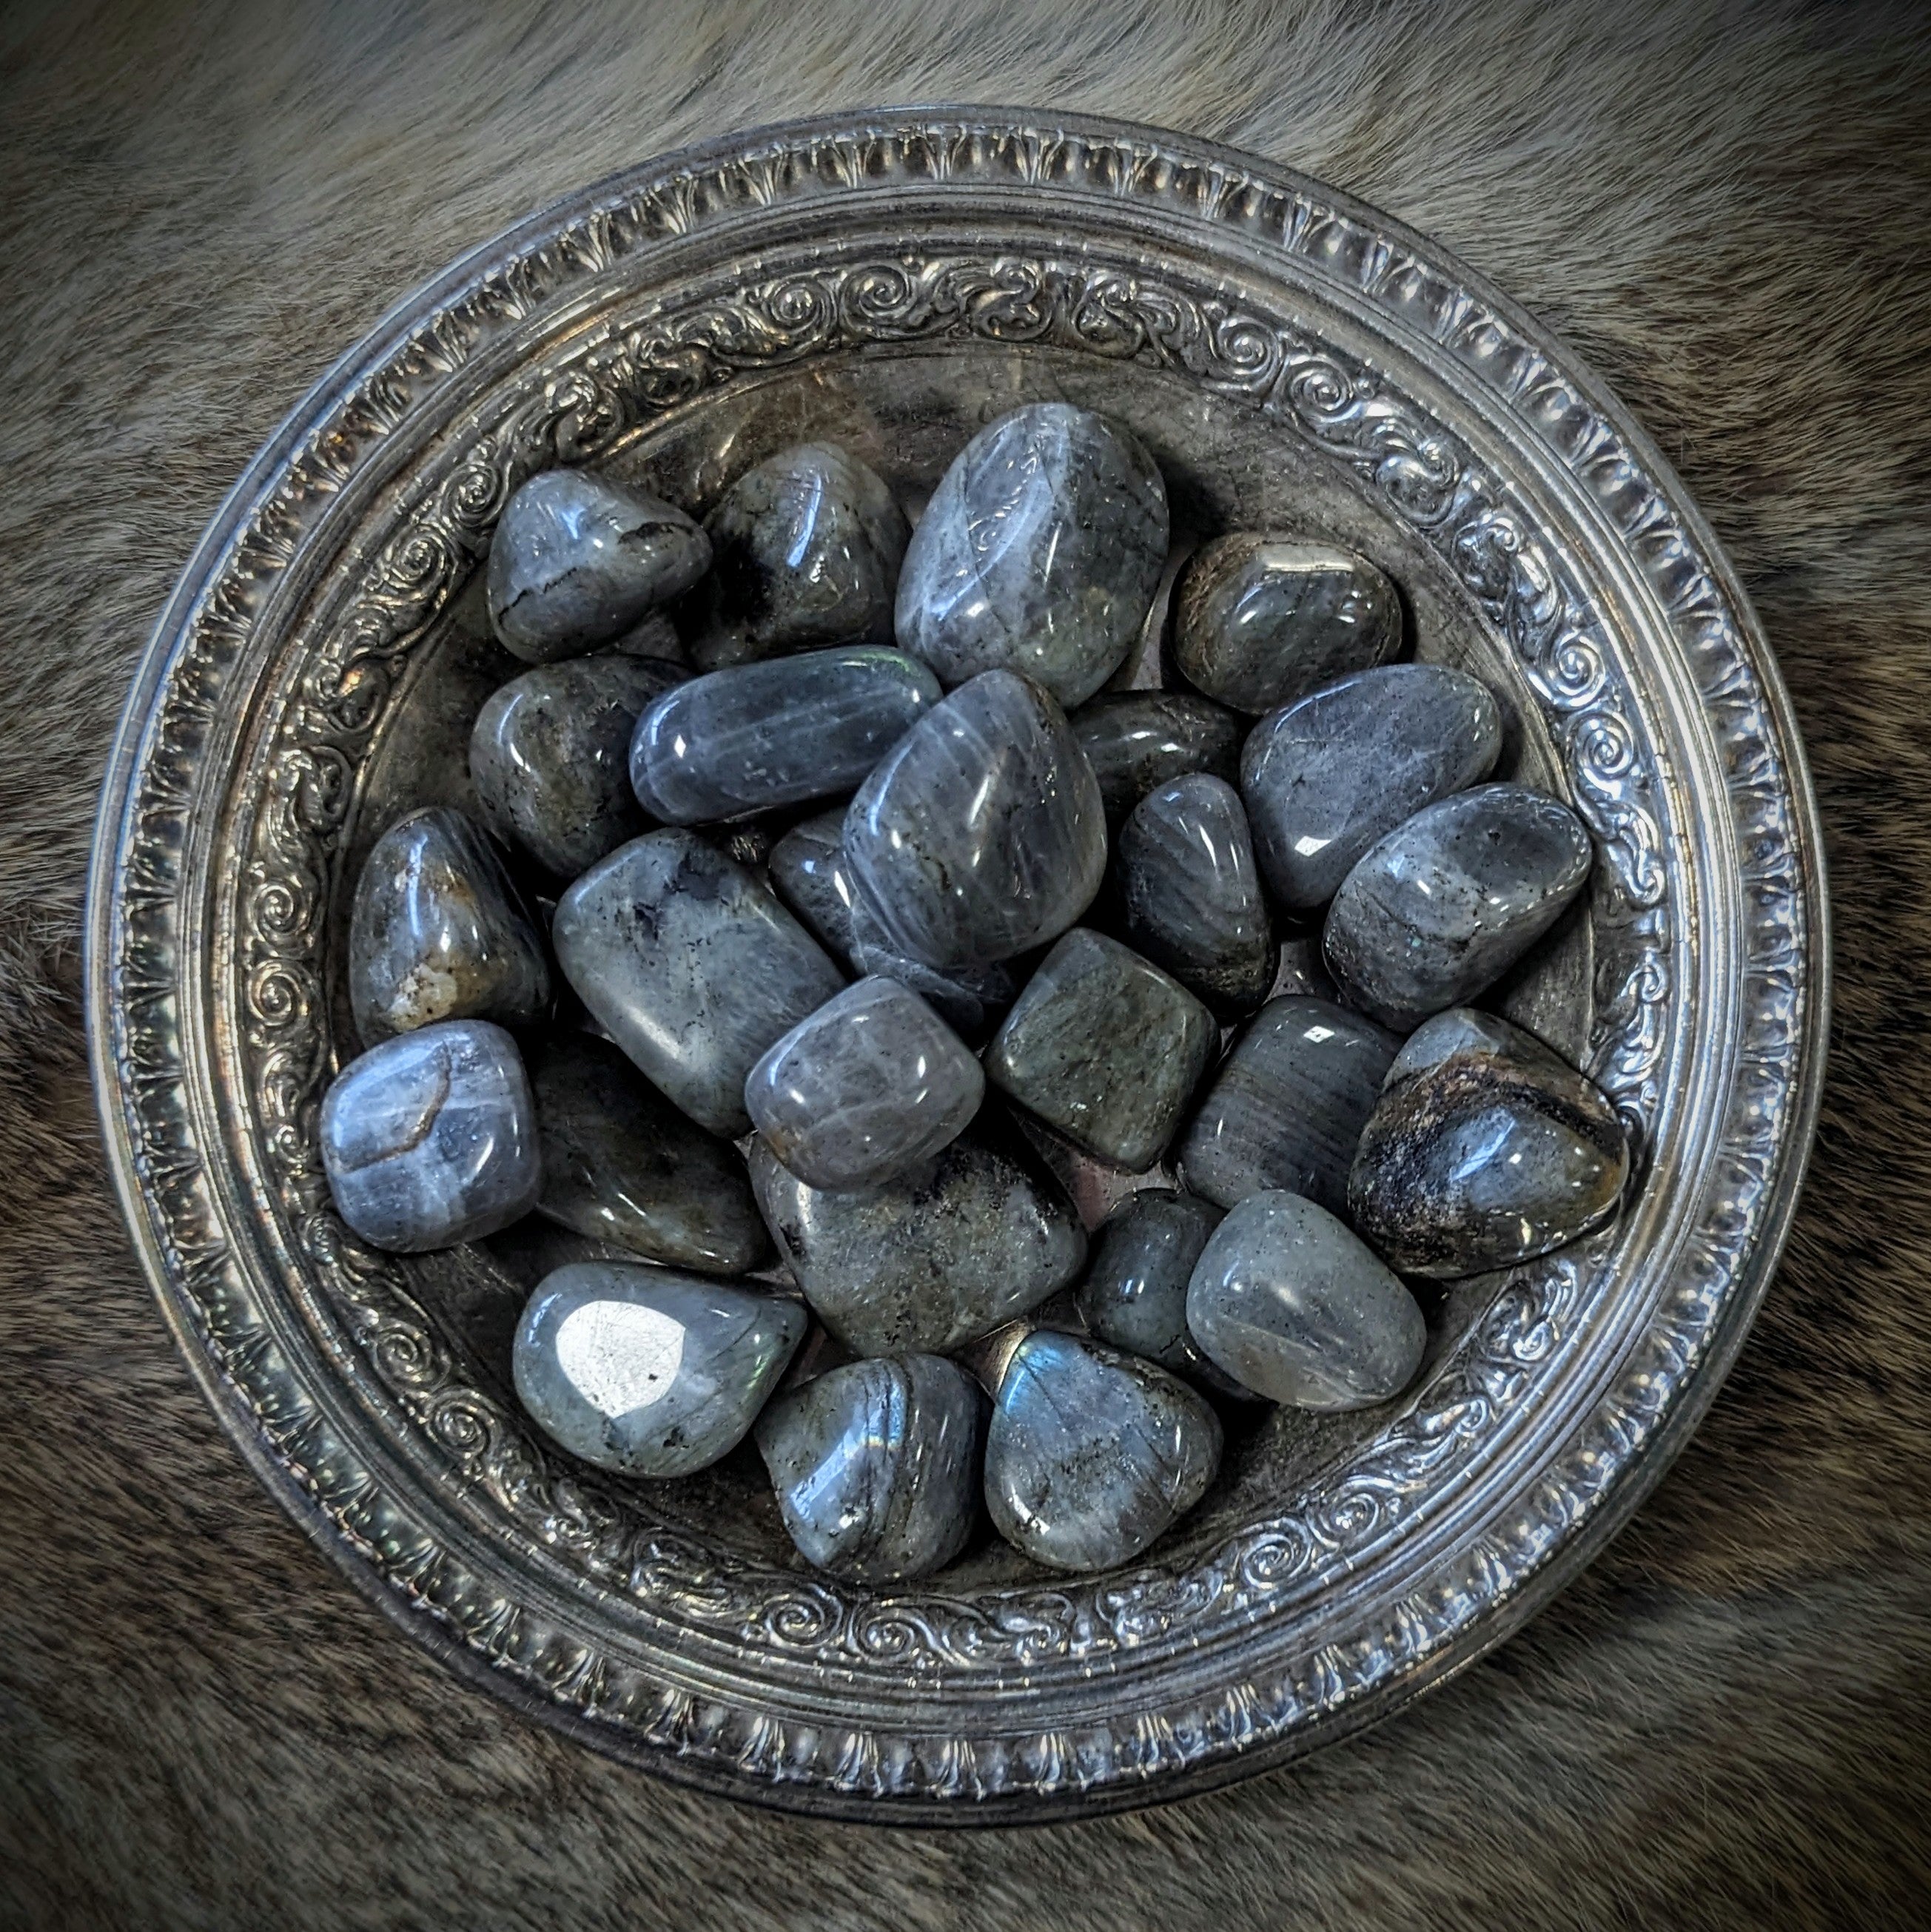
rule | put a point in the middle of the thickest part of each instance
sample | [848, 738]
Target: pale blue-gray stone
[1135, 740]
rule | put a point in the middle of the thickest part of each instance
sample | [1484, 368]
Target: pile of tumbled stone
[836, 1000]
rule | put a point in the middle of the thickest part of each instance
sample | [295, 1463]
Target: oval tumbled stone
[1135, 740]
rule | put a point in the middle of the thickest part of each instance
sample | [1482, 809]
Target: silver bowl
[889, 281]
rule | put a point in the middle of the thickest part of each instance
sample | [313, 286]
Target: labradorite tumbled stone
[622, 1164]
[933, 1259]
[1106, 1048]
[438, 932]
[1445, 905]
[807, 867]
[763, 735]
[1040, 552]
[1291, 1305]
[431, 1138]
[577, 559]
[550, 757]
[1090, 1454]
[691, 966]
[1484, 1150]
[1288, 1105]
[1260, 621]
[980, 835]
[877, 1465]
[1325, 778]
[1135, 740]
[648, 1372]
[970, 1000]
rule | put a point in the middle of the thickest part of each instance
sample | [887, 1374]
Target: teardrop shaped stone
[1040, 552]
[877, 1466]
[438, 932]
[1135, 740]
[1484, 1150]
[980, 834]
[1260, 621]
[1445, 905]
[1189, 893]
[1091, 1454]
[1328, 776]
[807, 867]
[1291, 1304]
[647, 1373]
[691, 965]
[577, 559]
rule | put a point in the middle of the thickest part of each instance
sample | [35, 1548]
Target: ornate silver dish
[891, 281]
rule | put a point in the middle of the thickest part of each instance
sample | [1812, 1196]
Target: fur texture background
[1724, 207]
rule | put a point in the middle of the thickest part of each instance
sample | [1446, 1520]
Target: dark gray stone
[691, 965]
[653, 635]
[1135, 740]
[980, 834]
[438, 932]
[970, 1000]
[877, 1466]
[763, 735]
[647, 1373]
[1260, 621]
[1327, 777]
[431, 1138]
[1445, 905]
[1288, 1303]
[1040, 552]
[1091, 1454]
[1288, 1105]
[1484, 1150]
[807, 866]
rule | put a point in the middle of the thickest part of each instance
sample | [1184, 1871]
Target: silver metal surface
[889, 282]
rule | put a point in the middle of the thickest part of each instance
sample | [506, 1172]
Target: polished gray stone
[550, 757]
[691, 965]
[1288, 1105]
[1091, 1454]
[648, 1372]
[1040, 552]
[1190, 894]
[980, 835]
[622, 1164]
[1260, 621]
[431, 1138]
[877, 1466]
[1484, 1150]
[1135, 740]
[577, 559]
[805, 550]
[1327, 777]
[1445, 905]
[438, 932]
[1106, 1048]
[1288, 1303]
[872, 1084]
[653, 635]
[933, 1259]
[807, 867]
[763, 735]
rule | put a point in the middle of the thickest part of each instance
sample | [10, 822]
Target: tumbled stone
[648, 1372]
[807, 867]
[970, 1000]
[1484, 1150]
[577, 559]
[933, 1259]
[1136, 740]
[691, 965]
[877, 1466]
[621, 1165]
[653, 635]
[1288, 1105]
[1260, 621]
[1189, 895]
[872, 1084]
[1040, 552]
[1291, 1305]
[438, 932]
[550, 757]
[1445, 905]
[431, 1138]
[1091, 1454]
[805, 551]
[763, 735]
[1327, 777]
[980, 834]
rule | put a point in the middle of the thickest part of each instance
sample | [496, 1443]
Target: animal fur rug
[1727, 1721]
